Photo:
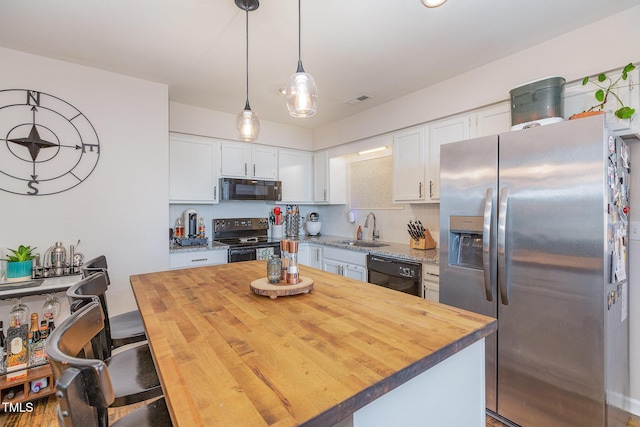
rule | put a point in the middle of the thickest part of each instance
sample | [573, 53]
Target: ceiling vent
[363, 97]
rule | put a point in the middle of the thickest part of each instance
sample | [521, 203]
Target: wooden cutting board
[273, 291]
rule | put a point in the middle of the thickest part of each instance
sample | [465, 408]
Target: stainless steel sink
[362, 243]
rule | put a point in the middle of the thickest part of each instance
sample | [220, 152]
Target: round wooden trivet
[273, 291]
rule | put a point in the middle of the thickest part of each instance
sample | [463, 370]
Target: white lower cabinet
[431, 282]
[310, 254]
[197, 259]
[344, 262]
[303, 253]
[315, 256]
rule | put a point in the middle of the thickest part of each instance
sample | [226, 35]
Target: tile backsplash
[392, 223]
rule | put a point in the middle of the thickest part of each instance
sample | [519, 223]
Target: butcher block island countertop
[229, 357]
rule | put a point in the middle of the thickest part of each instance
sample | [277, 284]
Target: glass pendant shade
[432, 3]
[248, 124]
[301, 94]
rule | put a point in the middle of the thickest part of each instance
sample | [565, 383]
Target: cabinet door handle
[215, 192]
[254, 169]
[430, 188]
[199, 259]
[420, 190]
[245, 169]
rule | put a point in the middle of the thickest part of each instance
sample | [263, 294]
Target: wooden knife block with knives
[420, 237]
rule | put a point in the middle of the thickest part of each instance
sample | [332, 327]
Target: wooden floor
[44, 415]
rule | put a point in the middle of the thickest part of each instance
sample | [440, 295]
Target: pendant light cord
[299, 33]
[300, 68]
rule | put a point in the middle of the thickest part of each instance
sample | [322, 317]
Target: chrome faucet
[376, 234]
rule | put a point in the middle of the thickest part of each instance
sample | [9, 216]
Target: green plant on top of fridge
[23, 253]
[607, 86]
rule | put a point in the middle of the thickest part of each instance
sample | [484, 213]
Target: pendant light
[432, 3]
[301, 91]
[247, 121]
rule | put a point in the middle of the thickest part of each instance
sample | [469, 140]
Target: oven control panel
[238, 224]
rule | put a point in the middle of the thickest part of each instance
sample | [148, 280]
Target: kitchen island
[347, 353]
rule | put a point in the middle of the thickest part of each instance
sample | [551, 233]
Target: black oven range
[247, 238]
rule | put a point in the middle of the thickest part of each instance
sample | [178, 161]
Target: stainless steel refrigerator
[534, 233]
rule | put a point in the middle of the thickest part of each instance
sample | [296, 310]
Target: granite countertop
[396, 250]
[212, 246]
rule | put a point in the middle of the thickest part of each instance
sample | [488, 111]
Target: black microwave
[250, 189]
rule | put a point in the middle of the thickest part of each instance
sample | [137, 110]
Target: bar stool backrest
[70, 346]
[91, 288]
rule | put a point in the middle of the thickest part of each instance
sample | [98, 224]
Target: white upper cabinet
[443, 132]
[409, 160]
[416, 158]
[321, 177]
[491, 120]
[329, 179]
[245, 160]
[578, 98]
[264, 162]
[295, 170]
[193, 169]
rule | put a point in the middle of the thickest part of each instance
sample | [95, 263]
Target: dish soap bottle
[359, 233]
[201, 228]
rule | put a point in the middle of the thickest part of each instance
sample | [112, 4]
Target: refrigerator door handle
[486, 244]
[503, 273]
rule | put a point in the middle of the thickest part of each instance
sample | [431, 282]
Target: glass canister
[274, 269]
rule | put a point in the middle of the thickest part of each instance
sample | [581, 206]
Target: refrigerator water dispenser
[465, 241]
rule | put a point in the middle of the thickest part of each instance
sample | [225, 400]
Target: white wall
[203, 122]
[120, 210]
[588, 50]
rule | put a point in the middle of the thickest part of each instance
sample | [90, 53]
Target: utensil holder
[276, 231]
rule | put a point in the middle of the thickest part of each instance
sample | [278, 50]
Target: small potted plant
[20, 264]
[607, 86]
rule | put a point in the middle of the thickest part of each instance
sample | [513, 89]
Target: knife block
[424, 243]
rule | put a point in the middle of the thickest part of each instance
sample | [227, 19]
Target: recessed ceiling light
[432, 3]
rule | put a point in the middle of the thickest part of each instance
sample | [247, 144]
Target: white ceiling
[384, 48]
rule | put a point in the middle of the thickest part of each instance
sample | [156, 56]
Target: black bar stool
[132, 370]
[122, 329]
[84, 385]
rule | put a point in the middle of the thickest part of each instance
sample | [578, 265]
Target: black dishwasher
[396, 274]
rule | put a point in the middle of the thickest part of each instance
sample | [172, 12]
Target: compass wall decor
[47, 146]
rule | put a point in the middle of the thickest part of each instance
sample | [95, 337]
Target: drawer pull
[199, 259]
